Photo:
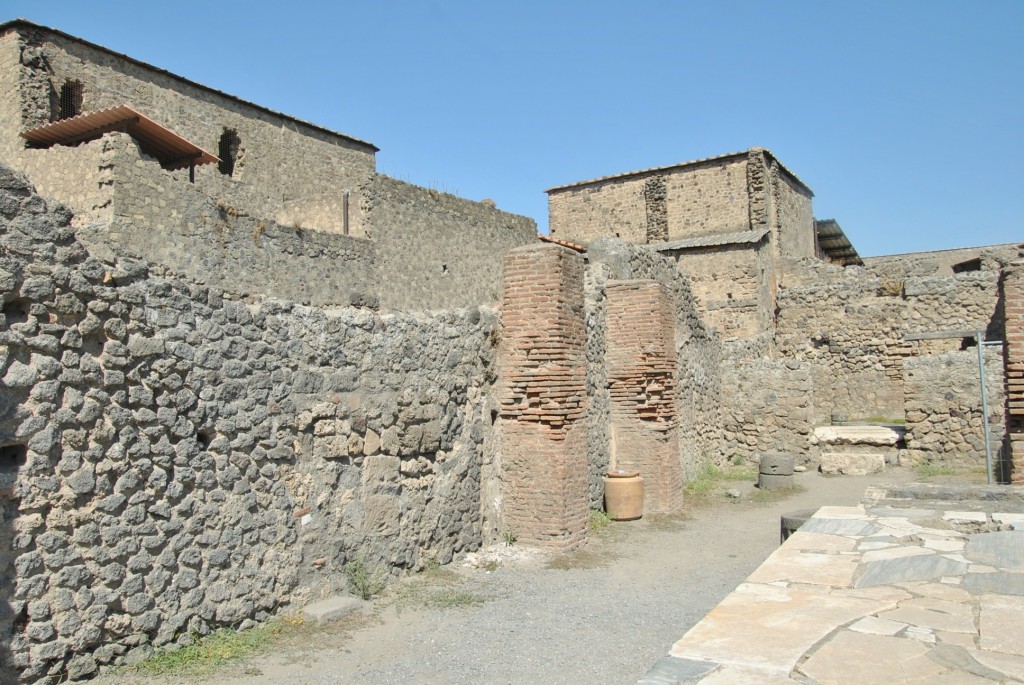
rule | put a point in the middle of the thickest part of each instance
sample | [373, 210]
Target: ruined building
[234, 358]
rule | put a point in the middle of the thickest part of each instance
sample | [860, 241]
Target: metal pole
[980, 338]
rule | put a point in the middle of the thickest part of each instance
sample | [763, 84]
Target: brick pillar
[542, 389]
[641, 359]
[1013, 302]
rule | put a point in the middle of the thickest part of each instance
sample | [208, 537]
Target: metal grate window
[70, 99]
[228, 151]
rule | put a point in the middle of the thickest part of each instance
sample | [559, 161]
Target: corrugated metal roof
[712, 240]
[173, 151]
[703, 160]
[15, 23]
[834, 243]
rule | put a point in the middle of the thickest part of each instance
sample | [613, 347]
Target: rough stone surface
[851, 463]
[193, 459]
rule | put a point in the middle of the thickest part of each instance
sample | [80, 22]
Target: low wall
[174, 459]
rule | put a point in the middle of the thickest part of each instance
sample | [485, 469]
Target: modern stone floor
[921, 586]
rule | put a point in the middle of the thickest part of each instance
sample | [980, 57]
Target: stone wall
[81, 177]
[423, 250]
[174, 459]
[767, 406]
[693, 199]
[616, 207]
[436, 250]
[850, 325]
[728, 282]
[944, 408]
[794, 216]
[286, 170]
[708, 197]
[940, 262]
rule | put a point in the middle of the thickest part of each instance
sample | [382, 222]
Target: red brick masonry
[641, 360]
[1013, 300]
[543, 397]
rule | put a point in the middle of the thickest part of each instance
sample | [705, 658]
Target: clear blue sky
[904, 117]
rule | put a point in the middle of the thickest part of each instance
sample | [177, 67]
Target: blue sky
[904, 117]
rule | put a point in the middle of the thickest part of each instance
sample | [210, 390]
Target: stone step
[331, 608]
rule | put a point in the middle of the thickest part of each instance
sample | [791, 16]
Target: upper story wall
[726, 194]
[285, 170]
[664, 204]
[436, 250]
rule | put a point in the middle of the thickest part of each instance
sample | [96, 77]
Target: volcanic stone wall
[174, 458]
[944, 409]
[850, 324]
[543, 397]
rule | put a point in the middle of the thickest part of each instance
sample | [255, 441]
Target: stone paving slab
[931, 593]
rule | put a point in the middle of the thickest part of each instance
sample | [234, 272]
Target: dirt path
[603, 615]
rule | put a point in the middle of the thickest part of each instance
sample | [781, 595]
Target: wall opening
[12, 458]
[70, 104]
[15, 311]
[227, 150]
[969, 265]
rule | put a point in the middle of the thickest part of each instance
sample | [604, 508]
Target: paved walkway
[921, 585]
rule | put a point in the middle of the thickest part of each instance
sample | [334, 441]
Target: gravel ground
[602, 615]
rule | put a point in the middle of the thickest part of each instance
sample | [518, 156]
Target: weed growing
[215, 650]
[435, 588]
[363, 581]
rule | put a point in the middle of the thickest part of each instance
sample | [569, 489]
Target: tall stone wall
[145, 212]
[286, 170]
[173, 459]
[794, 216]
[691, 200]
[436, 250]
[542, 390]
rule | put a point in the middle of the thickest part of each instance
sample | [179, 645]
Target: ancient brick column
[1013, 301]
[641, 359]
[542, 389]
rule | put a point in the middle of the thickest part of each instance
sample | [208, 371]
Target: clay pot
[624, 495]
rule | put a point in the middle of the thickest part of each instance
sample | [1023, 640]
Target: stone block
[330, 609]
[776, 464]
[767, 481]
[851, 464]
